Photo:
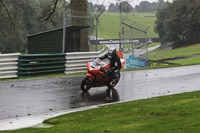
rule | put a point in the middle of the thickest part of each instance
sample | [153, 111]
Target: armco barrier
[9, 65]
[41, 64]
[77, 61]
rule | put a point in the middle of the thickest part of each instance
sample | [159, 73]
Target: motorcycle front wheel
[114, 82]
[85, 84]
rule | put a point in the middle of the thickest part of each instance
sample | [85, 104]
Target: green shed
[50, 42]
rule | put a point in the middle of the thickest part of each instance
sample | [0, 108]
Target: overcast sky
[132, 2]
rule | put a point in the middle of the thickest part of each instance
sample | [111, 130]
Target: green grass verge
[144, 14]
[175, 113]
[105, 48]
[161, 53]
[93, 47]
[46, 76]
[188, 61]
[99, 47]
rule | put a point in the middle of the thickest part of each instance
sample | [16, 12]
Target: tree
[123, 7]
[146, 6]
[96, 7]
[179, 22]
[112, 8]
[20, 18]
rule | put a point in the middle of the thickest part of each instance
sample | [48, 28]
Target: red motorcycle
[97, 75]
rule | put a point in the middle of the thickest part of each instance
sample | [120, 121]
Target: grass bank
[162, 53]
[188, 61]
[109, 25]
[175, 113]
[93, 47]
[189, 55]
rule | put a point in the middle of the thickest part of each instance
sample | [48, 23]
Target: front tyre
[85, 84]
[114, 81]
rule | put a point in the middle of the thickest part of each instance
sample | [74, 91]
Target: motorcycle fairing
[98, 77]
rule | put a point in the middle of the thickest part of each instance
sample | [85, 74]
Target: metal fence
[132, 29]
[89, 20]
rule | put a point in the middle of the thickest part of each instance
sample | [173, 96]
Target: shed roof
[68, 29]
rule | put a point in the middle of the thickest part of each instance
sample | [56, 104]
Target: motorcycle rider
[115, 63]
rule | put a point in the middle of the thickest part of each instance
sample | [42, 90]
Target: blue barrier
[135, 62]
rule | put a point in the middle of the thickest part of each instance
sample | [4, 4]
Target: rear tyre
[114, 81]
[85, 84]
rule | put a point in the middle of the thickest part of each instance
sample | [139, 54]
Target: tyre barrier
[41, 64]
[9, 65]
[77, 61]
[30, 65]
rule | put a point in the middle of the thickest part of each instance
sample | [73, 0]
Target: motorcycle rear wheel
[114, 82]
[85, 84]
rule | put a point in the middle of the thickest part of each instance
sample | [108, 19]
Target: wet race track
[30, 97]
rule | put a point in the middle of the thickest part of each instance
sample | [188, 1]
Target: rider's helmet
[112, 52]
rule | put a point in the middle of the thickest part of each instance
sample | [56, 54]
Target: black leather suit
[115, 63]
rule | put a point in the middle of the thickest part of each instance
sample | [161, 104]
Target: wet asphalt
[39, 96]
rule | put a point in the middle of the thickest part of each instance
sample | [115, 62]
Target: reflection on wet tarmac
[94, 98]
[109, 95]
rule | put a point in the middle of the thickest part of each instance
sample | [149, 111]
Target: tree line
[19, 18]
[146, 6]
[179, 22]
[125, 7]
